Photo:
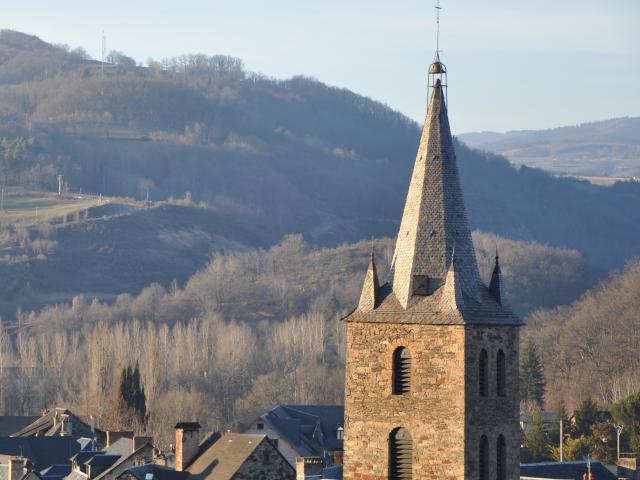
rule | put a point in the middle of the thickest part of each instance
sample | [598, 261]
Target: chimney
[187, 437]
[308, 467]
[66, 429]
[139, 442]
[16, 467]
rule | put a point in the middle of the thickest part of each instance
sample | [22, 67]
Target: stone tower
[432, 355]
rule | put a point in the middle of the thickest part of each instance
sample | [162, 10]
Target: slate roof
[61, 470]
[434, 277]
[10, 424]
[122, 446]
[222, 459]
[565, 470]
[159, 472]
[434, 220]
[430, 309]
[103, 460]
[46, 425]
[311, 429]
[42, 451]
[332, 473]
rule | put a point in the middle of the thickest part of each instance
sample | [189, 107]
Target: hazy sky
[513, 64]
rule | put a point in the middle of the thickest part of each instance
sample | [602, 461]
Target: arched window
[501, 374]
[501, 459]
[483, 459]
[401, 371]
[400, 455]
[483, 373]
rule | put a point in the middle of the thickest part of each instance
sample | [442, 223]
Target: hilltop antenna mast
[104, 51]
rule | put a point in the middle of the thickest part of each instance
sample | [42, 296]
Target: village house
[304, 431]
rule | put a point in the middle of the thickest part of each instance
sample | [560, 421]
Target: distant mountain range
[281, 156]
[608, 148]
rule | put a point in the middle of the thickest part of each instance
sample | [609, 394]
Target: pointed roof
[451, 298]
[495, 286]
[370, 287]
[429, 282]
[434, 217]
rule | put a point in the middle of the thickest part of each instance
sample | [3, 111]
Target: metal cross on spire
[438, 8]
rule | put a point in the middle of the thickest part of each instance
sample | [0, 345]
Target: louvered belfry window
[401, 371]
[483, 373]
[400, 455]
[501, 374]
[483, 458]
[501, 459]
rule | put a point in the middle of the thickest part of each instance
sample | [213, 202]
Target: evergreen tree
[536, 446]
[532, 381]
[586, 415]
[132, 394]
[626, 412]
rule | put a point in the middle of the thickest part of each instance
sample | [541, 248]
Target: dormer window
[423, 285]
[260, 426]
[340, 433]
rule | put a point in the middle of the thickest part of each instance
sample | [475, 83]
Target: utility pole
[60, 177]
[561, 443]
[619, 429]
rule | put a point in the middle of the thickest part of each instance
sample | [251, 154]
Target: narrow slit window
[400, 455]
[401, 371]
[501, 374]
[501, 459]
[483, 459]
[483, 373]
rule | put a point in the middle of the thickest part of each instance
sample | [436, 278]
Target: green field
[36, 208]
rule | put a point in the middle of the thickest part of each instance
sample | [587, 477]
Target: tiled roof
[565, 470]
[223, 459]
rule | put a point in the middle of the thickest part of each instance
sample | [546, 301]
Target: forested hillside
[295, 154]
[590, 348]
[605, 148]
[262, 328]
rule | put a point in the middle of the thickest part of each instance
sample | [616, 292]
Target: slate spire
[434, 217]
[370, 287]
[495, 286]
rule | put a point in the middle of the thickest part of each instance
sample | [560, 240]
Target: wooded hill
[296, 155]
[605, 148]
[590, 348]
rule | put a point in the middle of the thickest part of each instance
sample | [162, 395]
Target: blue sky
[512, 64]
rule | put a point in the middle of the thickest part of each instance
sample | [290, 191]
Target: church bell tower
[431, 389]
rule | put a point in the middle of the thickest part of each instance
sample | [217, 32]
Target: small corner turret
[370, 287]
[495, 286]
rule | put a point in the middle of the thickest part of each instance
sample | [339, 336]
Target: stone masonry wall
[265, 463]
[433, 412]
[493, 415]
